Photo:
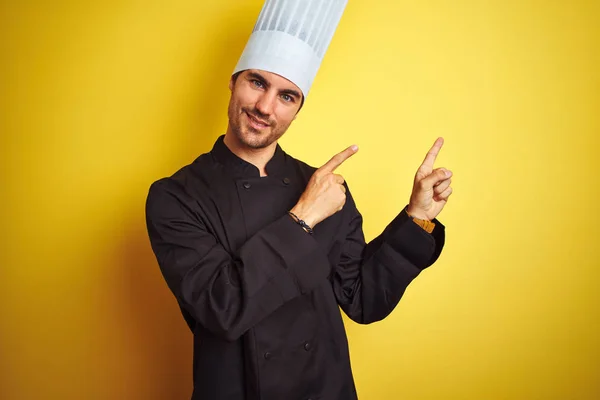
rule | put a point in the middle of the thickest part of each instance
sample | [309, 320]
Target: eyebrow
[292, 92]
[256, 75]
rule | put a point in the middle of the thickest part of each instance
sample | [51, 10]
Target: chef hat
[290, 38]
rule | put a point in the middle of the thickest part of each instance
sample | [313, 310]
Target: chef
[262, 251]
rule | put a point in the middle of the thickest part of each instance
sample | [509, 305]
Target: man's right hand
[325, 193]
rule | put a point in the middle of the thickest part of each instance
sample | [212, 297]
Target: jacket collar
[243, 169]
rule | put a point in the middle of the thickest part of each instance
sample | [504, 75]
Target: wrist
[303, 225]
[416, 213]
[301, 213]
[424, 223]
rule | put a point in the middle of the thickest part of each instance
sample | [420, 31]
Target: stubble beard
[247, 135]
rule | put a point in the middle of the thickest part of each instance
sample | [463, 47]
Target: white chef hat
[291, 37]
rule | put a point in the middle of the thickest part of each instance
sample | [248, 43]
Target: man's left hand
[431, 187]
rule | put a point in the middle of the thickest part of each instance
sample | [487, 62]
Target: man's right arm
[227, 293]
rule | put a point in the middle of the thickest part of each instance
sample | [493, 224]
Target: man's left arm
[370, 279]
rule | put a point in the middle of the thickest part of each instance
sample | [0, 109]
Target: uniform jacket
[262, 296]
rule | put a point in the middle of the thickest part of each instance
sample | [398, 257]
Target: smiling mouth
[259, 124]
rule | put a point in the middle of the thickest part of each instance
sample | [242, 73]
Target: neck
[257, 157]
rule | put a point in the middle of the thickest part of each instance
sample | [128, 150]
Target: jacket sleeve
[370, 279]
[227, 293]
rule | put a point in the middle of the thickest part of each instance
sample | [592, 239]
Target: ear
[231, 84]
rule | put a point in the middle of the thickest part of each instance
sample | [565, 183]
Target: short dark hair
[235, 76]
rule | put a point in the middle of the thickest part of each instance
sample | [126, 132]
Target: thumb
[438, 175]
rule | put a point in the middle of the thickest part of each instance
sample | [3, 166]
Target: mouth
[257, 123]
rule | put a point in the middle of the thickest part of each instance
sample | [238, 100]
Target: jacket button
[307, 346]
[267, 355]
[247, 185]
[286, 181]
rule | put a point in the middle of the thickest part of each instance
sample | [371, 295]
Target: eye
[287, 98]
[257, 83]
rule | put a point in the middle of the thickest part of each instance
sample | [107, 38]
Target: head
[261, 108]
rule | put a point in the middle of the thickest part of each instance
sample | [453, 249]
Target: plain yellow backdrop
[100, 98]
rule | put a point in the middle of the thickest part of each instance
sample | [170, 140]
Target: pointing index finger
[338, 159]
[432, 154]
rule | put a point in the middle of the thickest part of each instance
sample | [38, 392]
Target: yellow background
[100, 98]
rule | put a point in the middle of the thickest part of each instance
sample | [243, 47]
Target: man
[262, 250]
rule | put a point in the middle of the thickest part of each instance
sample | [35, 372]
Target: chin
[256, 143]
[257, 140]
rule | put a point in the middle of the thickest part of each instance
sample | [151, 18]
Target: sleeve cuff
[411, 240]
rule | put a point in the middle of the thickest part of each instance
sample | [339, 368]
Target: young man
[261, 251]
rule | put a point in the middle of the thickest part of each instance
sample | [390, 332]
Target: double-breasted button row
[248, 185]
[268, 355]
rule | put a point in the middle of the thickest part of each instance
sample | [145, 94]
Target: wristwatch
[423, 223]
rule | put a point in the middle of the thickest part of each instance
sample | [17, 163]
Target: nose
[265, 103]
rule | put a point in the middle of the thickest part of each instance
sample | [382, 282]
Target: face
[261, 108]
